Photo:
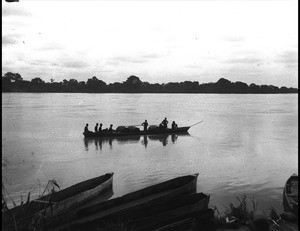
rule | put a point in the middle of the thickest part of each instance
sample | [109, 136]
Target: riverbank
[240, 216]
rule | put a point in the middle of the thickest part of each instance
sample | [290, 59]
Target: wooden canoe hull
[166, 190]
[153, 214]
[81, 198]
[150, 209]
[170, 217]
[117, 134]
[156, 221]
[64, 200]
[201, 221]
[290, 195]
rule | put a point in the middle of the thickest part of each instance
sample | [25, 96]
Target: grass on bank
[34, 221]
[240, 213]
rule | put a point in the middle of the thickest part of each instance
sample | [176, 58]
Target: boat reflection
[143, 139]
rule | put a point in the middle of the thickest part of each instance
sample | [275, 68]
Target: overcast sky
[158, 41]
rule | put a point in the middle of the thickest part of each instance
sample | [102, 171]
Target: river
[246, 145]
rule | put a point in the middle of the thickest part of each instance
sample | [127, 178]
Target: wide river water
[246, 144]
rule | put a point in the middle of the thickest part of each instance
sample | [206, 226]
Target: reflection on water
[145, 141]
[164, 138]
[98, 142]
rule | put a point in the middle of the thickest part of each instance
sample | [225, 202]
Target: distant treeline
[13, 82]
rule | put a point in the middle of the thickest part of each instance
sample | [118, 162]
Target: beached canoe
[290, 195]
[180, 225]
[133, 133]
[167, 219]
[152, 215]
[166, 190]
[202, 221]
[61, 201]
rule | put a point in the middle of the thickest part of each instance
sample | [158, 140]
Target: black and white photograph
[150, 115]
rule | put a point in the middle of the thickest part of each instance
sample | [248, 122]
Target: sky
[158, 41]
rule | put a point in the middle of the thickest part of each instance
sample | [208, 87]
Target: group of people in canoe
[162, 125]
[98, 128]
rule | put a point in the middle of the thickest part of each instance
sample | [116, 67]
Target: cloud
[42, 63]
[234, 39]
[7, 40]
[125, 59]
[50, 46]
[14, 11]
[74, 64]
[288, 57]
[138, 58]
[243, 60]
[151, 56]
[194, 66]
[10, 39]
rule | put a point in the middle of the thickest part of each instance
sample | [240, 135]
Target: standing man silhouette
[165, 123]
[96, 127]
[145, 124]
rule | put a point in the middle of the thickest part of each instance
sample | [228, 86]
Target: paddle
[197, 123]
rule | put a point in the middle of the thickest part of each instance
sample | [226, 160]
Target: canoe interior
[290, 195]
[35, 206]
[154, 132]
[77, 188]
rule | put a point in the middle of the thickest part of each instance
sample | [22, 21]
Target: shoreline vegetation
[13, 82]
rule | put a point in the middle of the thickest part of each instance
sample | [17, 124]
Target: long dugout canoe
[290, 195]
[152, 214]
[166, 190]
[158, 131]
[61, 201]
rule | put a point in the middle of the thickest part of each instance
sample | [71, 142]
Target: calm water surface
[246, 144]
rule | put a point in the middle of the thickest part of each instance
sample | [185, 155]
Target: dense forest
[13, 82]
